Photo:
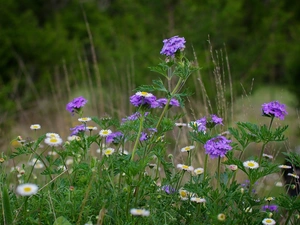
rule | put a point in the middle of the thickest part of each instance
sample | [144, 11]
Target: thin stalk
[218, 173]
[205, 166]
[138, 137]
[261, 153]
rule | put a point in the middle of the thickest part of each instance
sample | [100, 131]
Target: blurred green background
[52, 51]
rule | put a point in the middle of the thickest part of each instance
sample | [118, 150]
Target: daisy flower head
[221, 217]
[274, 109]
[91, 128]
[139, 212]
[84, 119]
[36, 163]
[198, 171]
[217, 147]
[233, 167]
[267, 156]
[74, 138]
[105, 133]
[285, 167]
[35, 127]
[27, 189]
[268, 221]
[144, 99]
[52, 135]
[187, 148]
[78, 129]
[184, 194]
[251, 164]
[293, 175]
[172, 46]
[53, 141]
[185, 167]
[75, 106]
[198, 200]
[180, 125]
[109, 151]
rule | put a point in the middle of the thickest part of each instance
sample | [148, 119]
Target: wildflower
[268, 221]
[293, 175]
[76, 130]
[274, 109]
[168, 189]
[76, 105]
[163, 101]
[267, 156]
[278, 184]
[198, 200]
[38, 164]
[35, 127]
[248, 209]
[54, 135]
[251, 164]
[2, 160]
[185, 167]
[74, 138]
[269, 199]
[233, 167]
[284, 167]
[184, 195]
[172, 45]
[105, 133]
[144, 99]
[187, 148]
[69, 161]
[91, 128]
[84, 119]
[198, 171]
[109, 151]
[271, 208]
[115, 137]
[180, 125]
[27, 189]
[217, 146]
[132, 117]
[199, 125]
[52, 141]
[144, 136]
[139, 212]
[221, 217]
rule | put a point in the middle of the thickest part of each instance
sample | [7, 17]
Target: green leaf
[61, 221]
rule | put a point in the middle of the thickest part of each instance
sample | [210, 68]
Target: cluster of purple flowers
[172, 45]
[76, 104]
[168, 189]
[208, 122]
[148, 100]
[274, 109]
[270, 208]
[217, 146]
[76, 130]
[115, 137]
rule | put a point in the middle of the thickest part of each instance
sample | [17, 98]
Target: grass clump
[123, 172]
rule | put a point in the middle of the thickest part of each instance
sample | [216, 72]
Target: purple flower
[144, 136]
[201, 124]
[274, 109]
[134, 116]
[77, 129]
[271, 208]
[172, 45]
[115, 137]
[217, 146]
[144, 99]
[76, 104]
[168, 189]
[163, 101]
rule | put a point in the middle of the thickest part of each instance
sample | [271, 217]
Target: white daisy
[267, 156]
[268, 221]
[284, 167]
[221, 217]
[180, 125]
[27, 189]
[198, 171]
[105, 133]
[187, 148]
[139, 212]
[90, 128]
[35, 127]
[251, 164]
[74, 138]
[198, 200]
[53, 141]
[144, 94]
[293, 175]
[184, 195]
[108, 151]
[233, 167]
[84, 119]
[185, 167]
[52, 135]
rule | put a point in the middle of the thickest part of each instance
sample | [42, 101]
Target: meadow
[168, 161]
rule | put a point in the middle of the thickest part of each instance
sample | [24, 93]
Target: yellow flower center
[185, 167]
[183, 194]
[187, 148]
[53, 140]
[27, 189]
[251, 164]
[144, 93]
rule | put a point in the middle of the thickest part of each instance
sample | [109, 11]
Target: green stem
[261, 153]
[138, 137]
[205, 166]
[219, 176]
